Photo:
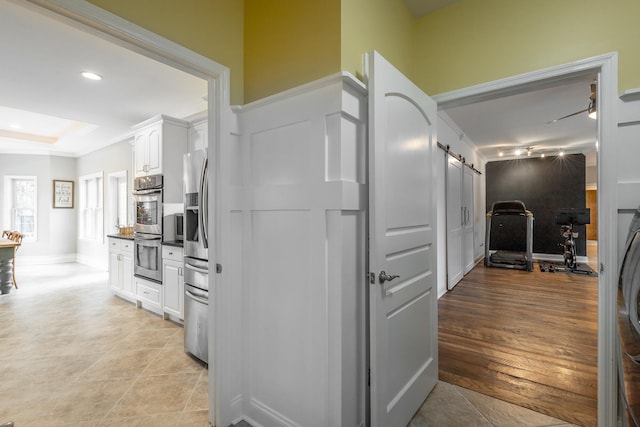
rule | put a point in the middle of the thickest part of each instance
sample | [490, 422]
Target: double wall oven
[148, 228]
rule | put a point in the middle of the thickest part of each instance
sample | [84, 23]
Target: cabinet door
[197, 137]
[140, 152]
[154, 153]
[173, 285]
[114, 270]
[126, 267]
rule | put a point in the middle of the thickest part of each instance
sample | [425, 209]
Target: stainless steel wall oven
[148, 227]
[148, 198]
[148, 256]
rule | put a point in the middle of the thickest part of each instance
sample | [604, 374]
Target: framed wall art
[62, 194]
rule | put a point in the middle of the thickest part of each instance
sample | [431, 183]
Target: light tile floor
[72, 354]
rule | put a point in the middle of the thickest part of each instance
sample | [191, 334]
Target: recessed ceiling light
[500, 154]
[542, 155]
[91, 75]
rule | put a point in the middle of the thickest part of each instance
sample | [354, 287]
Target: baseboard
[557, 258]
[44, 259]
[102, 264]
[29, 260]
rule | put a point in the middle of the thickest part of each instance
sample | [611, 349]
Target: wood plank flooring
[529, 338]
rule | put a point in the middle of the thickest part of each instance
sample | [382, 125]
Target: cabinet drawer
[126, 245]
[148, 291]
[114, 244]
[172, 253]
[123, 245]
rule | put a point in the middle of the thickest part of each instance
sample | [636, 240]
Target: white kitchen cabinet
[121, 267]
[148, 150]
[173, 282]
[148, 295]
[159, 146]
[198, 134]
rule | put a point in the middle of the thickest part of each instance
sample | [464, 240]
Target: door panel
[403, 311]
[455, 214]
[468, 221]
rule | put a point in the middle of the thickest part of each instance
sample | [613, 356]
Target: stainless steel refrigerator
[196, 255]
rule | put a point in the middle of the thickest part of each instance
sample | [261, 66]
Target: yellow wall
[473, 41]
[212, 28]
[383, 25]
[288, 43]
[273, 45]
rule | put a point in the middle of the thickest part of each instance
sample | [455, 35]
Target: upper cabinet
[160, 144]
[198, 133]
[148, 150]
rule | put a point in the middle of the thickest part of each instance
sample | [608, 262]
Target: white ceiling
[521, 121]
[47, 107]
[42, 91]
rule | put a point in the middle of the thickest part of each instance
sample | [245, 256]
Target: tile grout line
[133, 383]
[473, 406]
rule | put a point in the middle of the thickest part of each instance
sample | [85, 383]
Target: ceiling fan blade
[568, 115]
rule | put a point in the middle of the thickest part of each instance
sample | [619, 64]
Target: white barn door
[455, 221]
[402, 239]
[468, 220]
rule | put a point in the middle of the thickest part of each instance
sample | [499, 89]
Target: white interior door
[455, 220]
[468, 221]
[402, 238]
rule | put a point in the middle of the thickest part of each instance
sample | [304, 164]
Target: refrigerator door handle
[205, 203]
[196, 298]
[194, 268]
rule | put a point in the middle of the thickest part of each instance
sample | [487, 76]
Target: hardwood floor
[529, 338]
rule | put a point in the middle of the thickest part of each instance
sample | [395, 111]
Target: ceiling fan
[590, 110]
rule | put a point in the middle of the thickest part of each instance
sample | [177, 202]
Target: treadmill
[523, 221]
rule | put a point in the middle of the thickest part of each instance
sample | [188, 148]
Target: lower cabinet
[173, 282]
[148, 295]
[121, 268]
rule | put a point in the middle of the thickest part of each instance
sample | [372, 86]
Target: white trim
[546, 77]
[606, 66]
[124, 33]
[557, 258]
[29, 260]
[83, 183]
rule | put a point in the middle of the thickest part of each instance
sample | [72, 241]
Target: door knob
[384, 277]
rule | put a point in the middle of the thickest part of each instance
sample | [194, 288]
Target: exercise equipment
[568, 218]
[521, 226]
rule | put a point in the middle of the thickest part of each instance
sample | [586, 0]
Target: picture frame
[63, 194]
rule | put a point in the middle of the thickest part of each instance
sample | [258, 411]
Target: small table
[7, 250]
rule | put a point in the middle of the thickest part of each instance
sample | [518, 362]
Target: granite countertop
[128, 236]
[176, 243]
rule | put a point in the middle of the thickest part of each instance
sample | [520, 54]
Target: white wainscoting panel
[298, 214]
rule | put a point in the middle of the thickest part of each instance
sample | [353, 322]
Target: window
[117, 196]
[91, 212]
[21, 207]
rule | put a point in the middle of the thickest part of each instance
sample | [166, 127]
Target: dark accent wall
[545, 185]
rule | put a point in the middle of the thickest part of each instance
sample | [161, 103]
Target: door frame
[121, 32]
[606, 66]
